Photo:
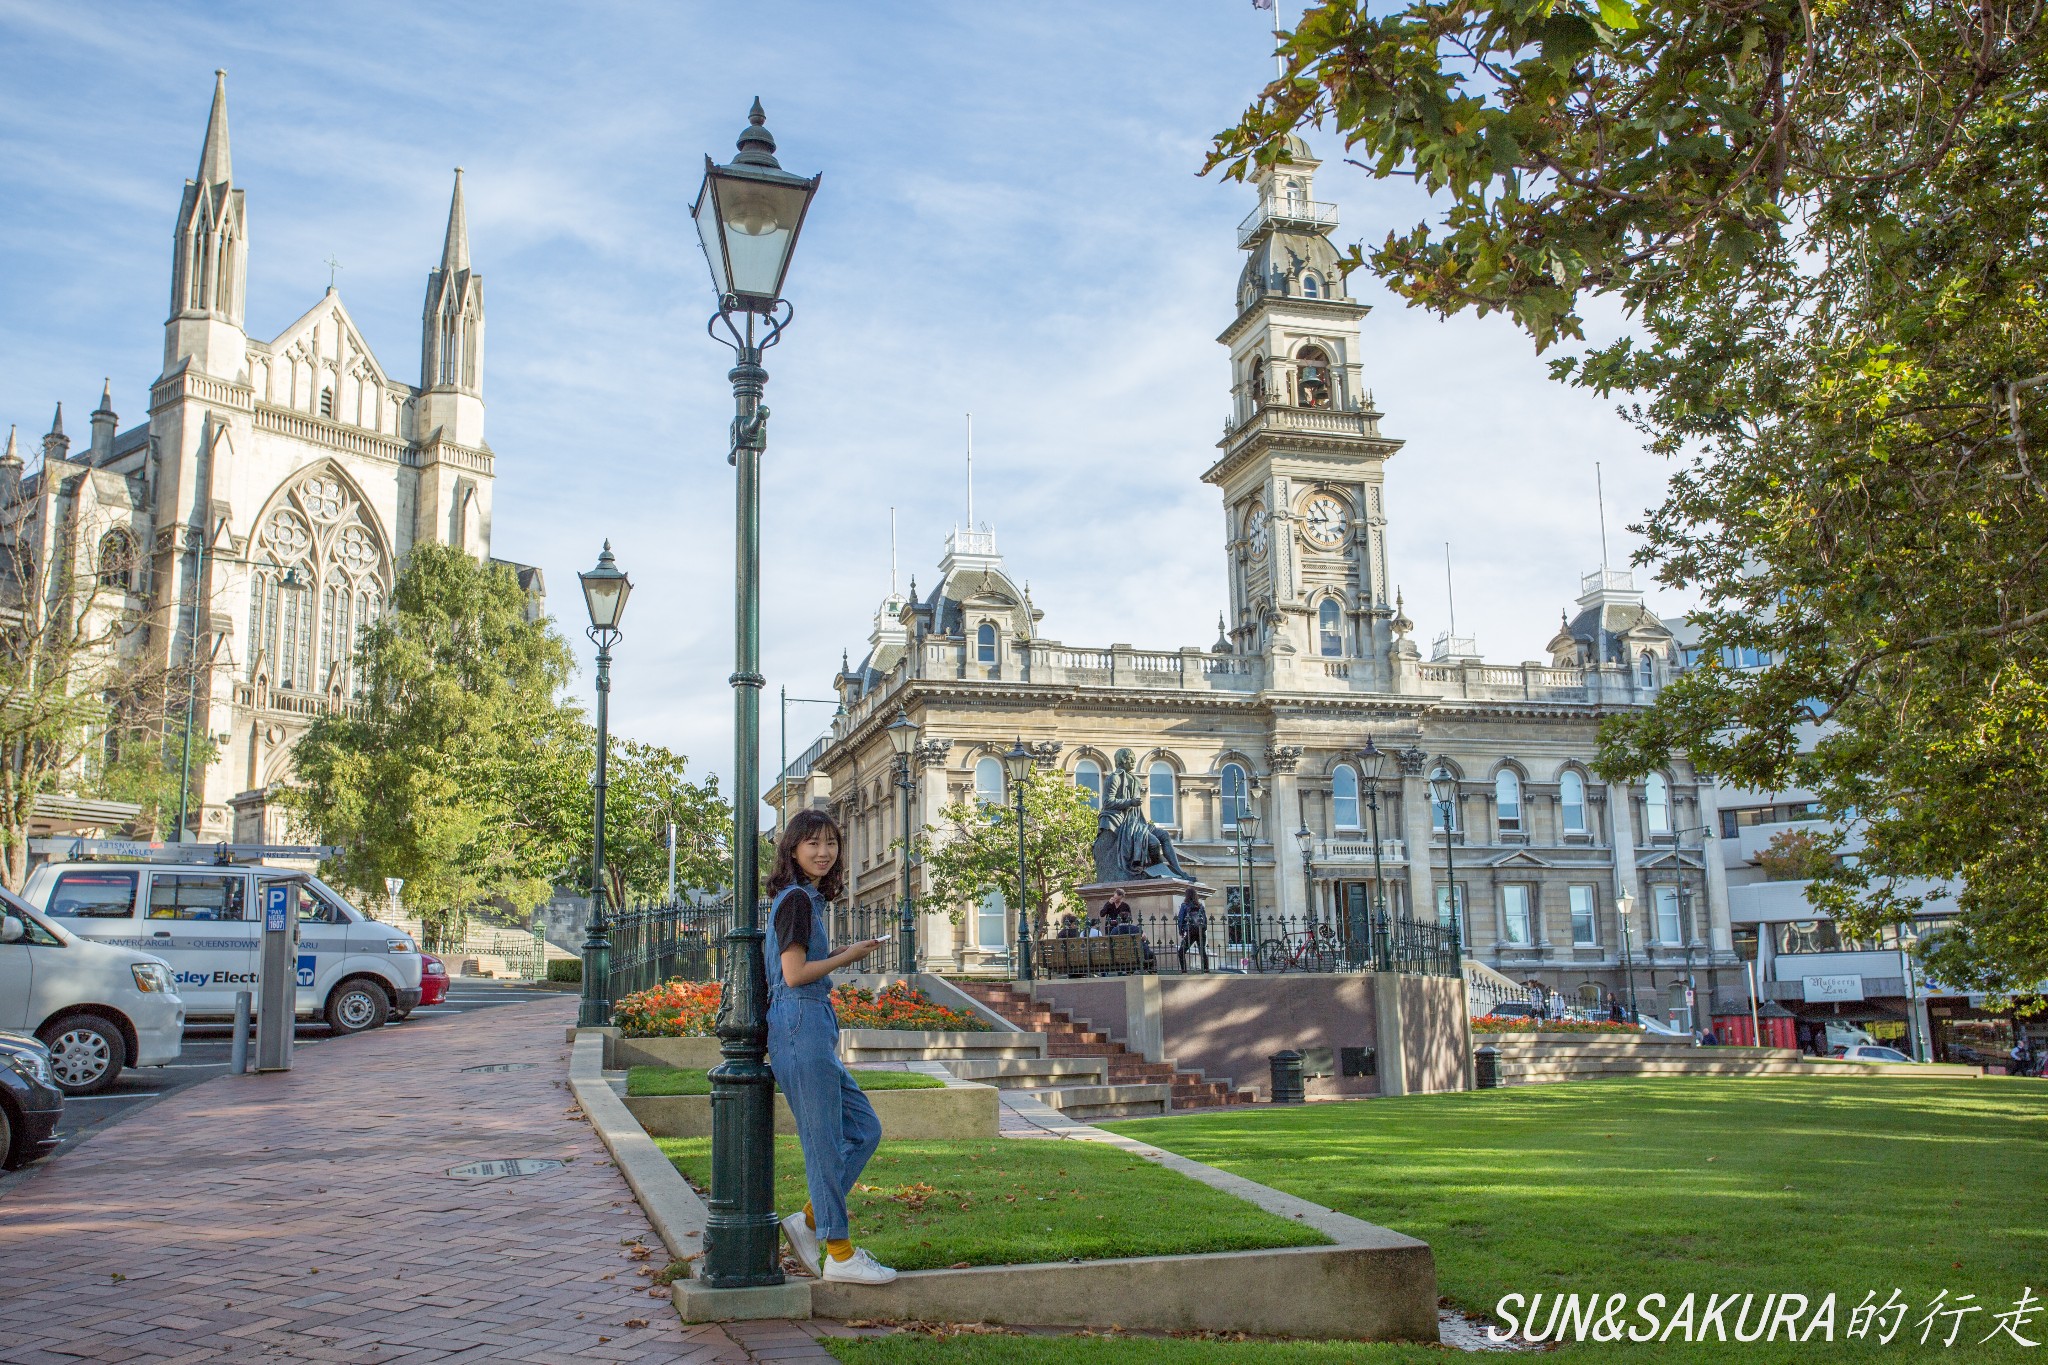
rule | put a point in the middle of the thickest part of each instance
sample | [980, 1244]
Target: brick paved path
[309, 1217]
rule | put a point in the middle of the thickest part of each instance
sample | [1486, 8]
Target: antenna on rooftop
[1600, 498]
[1449, 597]
[970, 471]
[892, 552]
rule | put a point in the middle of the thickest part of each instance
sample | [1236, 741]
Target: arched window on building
[988, 782]
[1571, 800]
[318, 581]
[1311, 285]
[1088, 777]
[1507, 800]
[1657, 804]
[1236, 794]
[1330, 628]
[1438, 813]
[1165, 808]
[1344, 796]
[1291, 194]
[117, 561]
[1646, 670]
[985, 643]
[1258, 382]
[1313, 384]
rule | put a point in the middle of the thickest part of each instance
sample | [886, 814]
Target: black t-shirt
[793, 920]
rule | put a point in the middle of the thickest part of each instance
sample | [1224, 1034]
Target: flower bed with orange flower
[1493, 1023]
[689, 1009]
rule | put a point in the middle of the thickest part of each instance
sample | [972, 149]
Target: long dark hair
[803, 825]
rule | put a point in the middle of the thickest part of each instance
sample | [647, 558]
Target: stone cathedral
[1313, 659]
[254, 520]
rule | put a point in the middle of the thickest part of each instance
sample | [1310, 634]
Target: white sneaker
[803, 1241]
[859, 1268]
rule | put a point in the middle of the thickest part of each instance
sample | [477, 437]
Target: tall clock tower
[1303, 459]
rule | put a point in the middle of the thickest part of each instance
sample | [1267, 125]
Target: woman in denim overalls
[834, 1121]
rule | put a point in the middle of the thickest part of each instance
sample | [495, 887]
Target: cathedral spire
[10, 471]
[455, 247]
[56, 445]
[215, 167]
[103, 424]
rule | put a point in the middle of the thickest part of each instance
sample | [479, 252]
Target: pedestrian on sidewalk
[834, 1121]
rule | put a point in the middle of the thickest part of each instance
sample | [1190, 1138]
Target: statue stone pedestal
[1153, 900]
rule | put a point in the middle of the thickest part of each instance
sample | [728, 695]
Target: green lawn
[1672, 1186]
[686, 1080]
[1007, 1201]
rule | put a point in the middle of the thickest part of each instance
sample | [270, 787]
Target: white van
[205, 919]
[97, 1007]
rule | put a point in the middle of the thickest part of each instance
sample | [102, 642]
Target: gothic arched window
[1236, 794]
[1313, 386]
[1164, 808]
[320, 577]
[1344, 796]
[117, 561]
[988, 782]
[1507, 800]
[1330, 627]
[985, 643]
[1088, 777]
[1571, 798]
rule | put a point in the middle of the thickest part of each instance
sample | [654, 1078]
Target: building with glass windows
[1314, 658]
[253, 522]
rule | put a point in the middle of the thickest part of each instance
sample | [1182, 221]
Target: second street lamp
[1017, 767]
[902, 733]
[605, 589]
[748, 214]
[1624, 908]
[1443, 792]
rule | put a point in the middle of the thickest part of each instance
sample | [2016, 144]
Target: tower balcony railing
[1301, 214]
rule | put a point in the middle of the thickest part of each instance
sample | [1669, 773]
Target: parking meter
[277, 980]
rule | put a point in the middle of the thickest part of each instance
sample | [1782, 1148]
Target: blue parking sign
[276, 906]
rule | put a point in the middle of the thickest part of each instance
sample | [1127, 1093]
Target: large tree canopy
[974, 849]
[1825, 223]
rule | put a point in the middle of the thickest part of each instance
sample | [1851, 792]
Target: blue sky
[1010, 224]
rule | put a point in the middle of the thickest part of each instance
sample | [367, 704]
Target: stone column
[1621, 832]
[1282, 817]
[1416, 826]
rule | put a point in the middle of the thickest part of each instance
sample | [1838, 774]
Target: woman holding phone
[834, 1121]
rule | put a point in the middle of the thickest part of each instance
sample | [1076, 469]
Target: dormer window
[985, 643]
[1313, 380]
[1311, 286]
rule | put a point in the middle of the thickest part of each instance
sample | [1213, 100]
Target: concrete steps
[1031, 1073]
[1140, 1083]
[1087, 1102]
[857, 1046]
[1526, 1059]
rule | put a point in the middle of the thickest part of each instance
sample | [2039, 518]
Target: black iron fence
[1249, 942]
[850, 922]
[660, 942]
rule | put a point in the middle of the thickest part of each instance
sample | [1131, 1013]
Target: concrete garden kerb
[1372, 1284]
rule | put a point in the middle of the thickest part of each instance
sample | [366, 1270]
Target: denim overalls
[834, 1121]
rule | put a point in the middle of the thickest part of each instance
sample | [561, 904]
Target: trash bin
[1288, 1087]
[1486, 1068]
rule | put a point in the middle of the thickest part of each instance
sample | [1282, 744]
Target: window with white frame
[1344, 796]
[1648, 668]
[1088, 777]
[988, 782]
[1667, 928]
[1164, 808]
[1657, 803]
[1585, 925]
[1507, 800]
[1514, 913]
[1311, 286]
[1571, 801]
[985, 643]
[1450, 901]
[1236, 795]
[1438, 812]
[990, 920]
[1330, 628]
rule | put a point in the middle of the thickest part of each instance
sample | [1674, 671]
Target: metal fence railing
[661, 942]
[1255, 941]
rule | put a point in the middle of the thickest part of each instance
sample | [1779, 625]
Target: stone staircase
[1534, 1059]
[1087, 1075]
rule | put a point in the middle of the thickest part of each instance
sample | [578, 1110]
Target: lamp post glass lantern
[605, 589]
[748, 215]
[902, 733]
[1443, 792]
[1017, 767]
[1247, 835]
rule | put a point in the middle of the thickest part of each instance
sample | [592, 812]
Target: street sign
[1824, 988]
[276, 905]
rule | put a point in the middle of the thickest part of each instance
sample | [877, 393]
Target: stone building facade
[254, 521]
[1314, 658]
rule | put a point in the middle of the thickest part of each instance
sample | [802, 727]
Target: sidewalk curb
[672, 1207]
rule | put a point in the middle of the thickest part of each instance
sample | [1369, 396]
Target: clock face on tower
[1255, 530]
[1323, 521]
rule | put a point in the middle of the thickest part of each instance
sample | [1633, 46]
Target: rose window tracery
[322, 577]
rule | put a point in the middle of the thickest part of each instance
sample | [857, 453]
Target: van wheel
[7, 1162]
[86, 1053]
[357, 1005]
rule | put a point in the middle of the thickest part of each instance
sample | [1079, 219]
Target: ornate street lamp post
[1371, 764]
[605, 589]
[1247, 835]
[1624, 906]
[1017, 767]
[1305, 839]
[748, 214]
[1443, 791]
[902, 733]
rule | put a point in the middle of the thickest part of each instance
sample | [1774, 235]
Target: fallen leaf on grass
[960, 1265]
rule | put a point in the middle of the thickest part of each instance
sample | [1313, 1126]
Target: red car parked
[433, 983]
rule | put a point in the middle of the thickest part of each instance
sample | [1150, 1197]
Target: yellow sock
[840, 1248]
[810, 1218]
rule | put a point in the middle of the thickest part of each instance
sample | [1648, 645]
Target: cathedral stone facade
[253, 522]
[1313, 660]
